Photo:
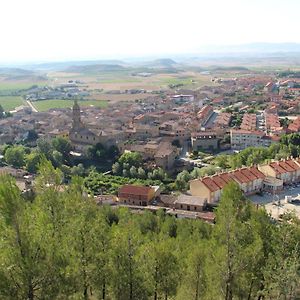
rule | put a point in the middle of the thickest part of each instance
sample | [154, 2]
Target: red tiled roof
[295, 126]
[286, 166]
[278, 169]
[240, 177]
[249, 122]
[210, 184]
[293, 164]
[223, 119]
[257, 173]
[219, 181]
[249, 132]
[135, 189]
[226, 177]
[248, 174]
[205, 111]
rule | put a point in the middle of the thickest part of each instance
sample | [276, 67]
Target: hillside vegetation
[58, 244]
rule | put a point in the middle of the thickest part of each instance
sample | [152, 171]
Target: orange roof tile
[248, 174]
[257, 173]
[286, 166]
[210, 184]
[240, 177]
[293, 164]
[135, 189]
[226, 177]
[219, 181]
[278, 169]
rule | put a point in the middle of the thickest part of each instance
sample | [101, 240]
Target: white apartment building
[241, 139]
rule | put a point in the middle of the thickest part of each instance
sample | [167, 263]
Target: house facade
[267, 177]
[136, 194]
[204, 140]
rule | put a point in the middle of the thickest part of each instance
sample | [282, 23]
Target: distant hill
[233, 68]
[94, 68]
[15, 72]
[10, 74]
[166, 62]
[60, 66]
[160, 63]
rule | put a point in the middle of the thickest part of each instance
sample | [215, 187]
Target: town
[184, 139]
[150, 150]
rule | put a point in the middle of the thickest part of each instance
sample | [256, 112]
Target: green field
[10, 102]
[15, 86]
[45, 105]
[191, 82]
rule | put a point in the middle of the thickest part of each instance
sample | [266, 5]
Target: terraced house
[267, 177]
[210, 187]
[287, 170]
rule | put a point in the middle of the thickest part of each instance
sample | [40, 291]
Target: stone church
[82, 136]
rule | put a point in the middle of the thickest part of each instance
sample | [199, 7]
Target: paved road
[32, 107]
[280, 206]
[268, 198]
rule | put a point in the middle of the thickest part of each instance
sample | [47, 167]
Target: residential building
[223, 120]
[205, 114]
[136, 194]
[249, 122]
[165, 156]
[163, 153]
[241, 139]
[205, 140]
[182, 98]
[273, 123]
[190, 203]
[295, 125]
[210, 188]
[288, 170]
[271, 87]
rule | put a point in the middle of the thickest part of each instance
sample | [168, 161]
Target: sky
[55, 30]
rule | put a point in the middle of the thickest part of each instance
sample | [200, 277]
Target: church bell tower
[76, 116]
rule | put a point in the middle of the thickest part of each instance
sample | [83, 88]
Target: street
[280, 206]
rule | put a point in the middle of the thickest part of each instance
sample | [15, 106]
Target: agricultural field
[18, 85]
[11, 102]
[45, 105]
[121, 81]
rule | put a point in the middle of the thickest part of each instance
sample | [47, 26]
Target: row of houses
[267, 177]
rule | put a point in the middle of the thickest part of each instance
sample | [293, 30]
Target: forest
[59, 244]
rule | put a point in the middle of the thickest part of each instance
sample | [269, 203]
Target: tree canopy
[61, 245]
